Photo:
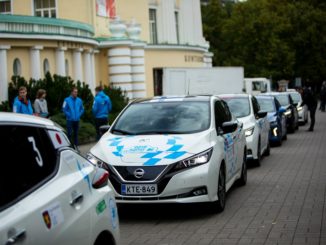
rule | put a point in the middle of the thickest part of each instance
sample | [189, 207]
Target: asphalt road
[282, 203]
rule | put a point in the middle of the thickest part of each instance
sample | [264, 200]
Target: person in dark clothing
[101, 107]
[310, 100]
[323, 97]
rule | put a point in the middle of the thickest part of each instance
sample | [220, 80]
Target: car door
[37, 191]
[262, 124]
[222, 114]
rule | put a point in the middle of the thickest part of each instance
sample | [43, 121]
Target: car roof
[275, 93]
[175, 98]
[265, 97]
[234, 95]
[17, 118]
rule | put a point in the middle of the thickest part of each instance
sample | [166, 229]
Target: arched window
[17, 67]
[46, 66]
[67, 67]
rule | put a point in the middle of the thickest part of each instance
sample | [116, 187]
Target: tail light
[101, 178]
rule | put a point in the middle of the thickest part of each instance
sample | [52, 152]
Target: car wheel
[219, 205]
[268, 150]
[285, 137]
[258, 160]
[243, 179]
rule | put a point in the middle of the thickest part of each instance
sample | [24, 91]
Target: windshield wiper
[122, 132]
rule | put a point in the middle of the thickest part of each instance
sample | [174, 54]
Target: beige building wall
[101, 27]
[168, 58]
[48, 53]
[137, 9]
[22, 7]
[23, 54]
[101, 67]
[78, 10]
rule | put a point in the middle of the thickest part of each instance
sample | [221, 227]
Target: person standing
[101, 107]
[21, 103]
[73, 109]
[40, 104]
[310, 100]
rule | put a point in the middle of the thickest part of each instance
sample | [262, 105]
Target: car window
[221, 114]
[296, 97]
[283, 99]
[31, 159]
[255, 105]
[164, 117]
[266, 105]
[239, 106]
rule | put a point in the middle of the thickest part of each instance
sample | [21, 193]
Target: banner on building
[105, 8]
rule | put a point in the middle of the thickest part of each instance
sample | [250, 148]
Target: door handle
[16, 237]
[76, 198]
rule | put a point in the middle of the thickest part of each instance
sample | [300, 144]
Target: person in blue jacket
[21, 103]
[101, 107]
[73, 109]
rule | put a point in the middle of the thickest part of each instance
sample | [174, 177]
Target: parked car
[302, 109]
[246, 108]
[49, 194]
[291, 111]
[173, 150]
[276, 118]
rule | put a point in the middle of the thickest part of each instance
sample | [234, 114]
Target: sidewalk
[84, 149]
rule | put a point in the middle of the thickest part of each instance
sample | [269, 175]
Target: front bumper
[196, 184]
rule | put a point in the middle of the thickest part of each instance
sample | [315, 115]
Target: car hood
[149, 150]
[271, 116]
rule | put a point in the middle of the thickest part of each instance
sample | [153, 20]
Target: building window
[152, 26]
[158, 77]
[46, 66]
[176, 15]
[17, 67]
[45, 8]
[5, 7]
[67, 67]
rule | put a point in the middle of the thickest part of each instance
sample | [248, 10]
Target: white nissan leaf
[49, 193]
[173, 150]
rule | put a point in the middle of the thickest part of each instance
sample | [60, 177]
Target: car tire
[243, 179]
[219, 205]
[285, 137]
[258, 160]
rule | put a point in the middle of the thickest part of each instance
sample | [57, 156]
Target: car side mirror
[229, 127]
[104, 129]
[261, 114]
[281, 110]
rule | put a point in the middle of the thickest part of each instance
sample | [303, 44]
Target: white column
[78, 72]
[119, 61]
[60, 58]
[138, 71]
[166, 22]
[3, 73]
[35, 61]
[87, 67]
[92, 84]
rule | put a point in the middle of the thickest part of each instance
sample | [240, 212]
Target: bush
[57, 89]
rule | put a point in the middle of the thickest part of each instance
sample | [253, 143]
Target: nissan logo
[139, 173]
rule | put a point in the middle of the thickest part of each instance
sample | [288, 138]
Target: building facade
[124, 43]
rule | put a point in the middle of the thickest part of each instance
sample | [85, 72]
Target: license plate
[150, 189]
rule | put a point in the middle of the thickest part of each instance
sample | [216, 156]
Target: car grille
[150, 173]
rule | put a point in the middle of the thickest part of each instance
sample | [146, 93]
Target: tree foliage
[282, 39]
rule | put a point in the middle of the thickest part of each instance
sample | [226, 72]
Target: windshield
[240, 107]
[296, 97]
[164, 118]
[283, 99]
[266, 105]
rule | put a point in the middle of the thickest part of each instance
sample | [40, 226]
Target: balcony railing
[47, 26]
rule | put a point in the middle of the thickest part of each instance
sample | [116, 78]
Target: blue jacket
[20, 107]
[73, 108]
[102, 105]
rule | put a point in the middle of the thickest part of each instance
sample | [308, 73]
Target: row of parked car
[184, 149]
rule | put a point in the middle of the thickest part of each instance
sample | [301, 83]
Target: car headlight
[97, 162]
[195, 160]
[275, 130]
[299, 108]
[287, 113]
[249, 131]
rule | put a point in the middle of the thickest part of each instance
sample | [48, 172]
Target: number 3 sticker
[38, 158]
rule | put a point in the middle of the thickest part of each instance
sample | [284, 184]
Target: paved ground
[282, 203]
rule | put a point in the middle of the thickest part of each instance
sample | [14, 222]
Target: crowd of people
[72, 108]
